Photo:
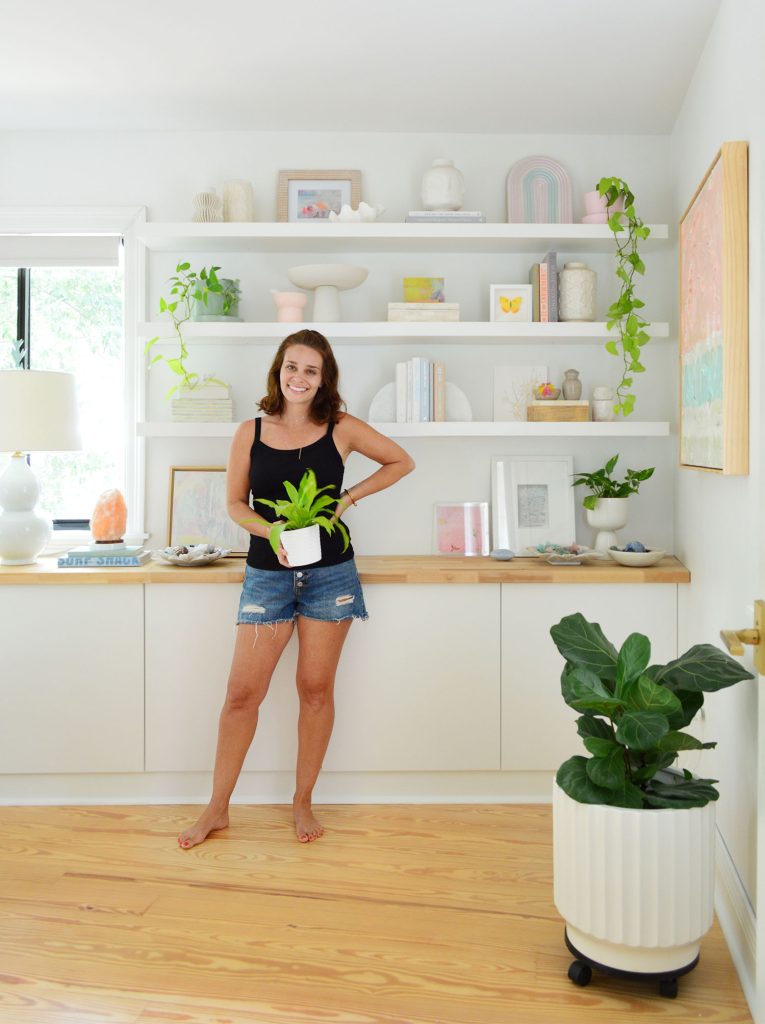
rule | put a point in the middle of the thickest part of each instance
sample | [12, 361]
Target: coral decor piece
[109, 518]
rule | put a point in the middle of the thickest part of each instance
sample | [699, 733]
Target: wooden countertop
[372, 568]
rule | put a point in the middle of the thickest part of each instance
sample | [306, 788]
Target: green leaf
[601, 747]
[609, 771]
[641, 730]
[583, 643]
[645, 695]
[627, 795]
[703, 667]
[573, 780]
[691, 702]
[684, 793]
[677, 741]
[590, 726]
[583, 690]
[633, 658]
[611, 347]
[176, 365]
[275, 536]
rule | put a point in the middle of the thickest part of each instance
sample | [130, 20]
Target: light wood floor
[399, 915]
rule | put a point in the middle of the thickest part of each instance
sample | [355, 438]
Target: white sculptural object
[364, 214]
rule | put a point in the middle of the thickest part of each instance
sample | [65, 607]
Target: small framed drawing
[197, 510]
[510, 303]
[513, 390]
[313, 195]
[461, 528]
[532, 501]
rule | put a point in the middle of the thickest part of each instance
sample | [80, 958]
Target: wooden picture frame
[322, 191]
[714, 338]
[197, 510]
[532, 501]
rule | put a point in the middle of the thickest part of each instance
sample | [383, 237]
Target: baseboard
[737, 920]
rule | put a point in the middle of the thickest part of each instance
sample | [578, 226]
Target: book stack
[445, 217]
[202, 410]
[423, 312]
[420, 391]
[544, 289]
[92, 555]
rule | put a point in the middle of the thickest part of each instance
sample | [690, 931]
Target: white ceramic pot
[608, 515]
[602, 404]
[576, 292]
[443, 187]
[302, 546]
[635, 887]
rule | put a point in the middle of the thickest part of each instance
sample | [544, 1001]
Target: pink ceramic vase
[595, 203]
[289, 306]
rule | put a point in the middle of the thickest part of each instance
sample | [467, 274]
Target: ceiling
[488, 66]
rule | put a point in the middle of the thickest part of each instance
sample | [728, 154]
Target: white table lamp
[38, 413]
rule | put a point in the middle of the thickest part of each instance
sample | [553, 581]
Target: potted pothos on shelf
[300, 516]
[606, 504]
[624, 316]
[186, 287]
[218, 298]
[633, 836]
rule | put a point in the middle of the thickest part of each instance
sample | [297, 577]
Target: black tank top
[270, 467]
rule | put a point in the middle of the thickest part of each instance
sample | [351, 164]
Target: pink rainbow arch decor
[538, 192]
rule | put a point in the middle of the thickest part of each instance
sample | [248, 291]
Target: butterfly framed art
[510, 302]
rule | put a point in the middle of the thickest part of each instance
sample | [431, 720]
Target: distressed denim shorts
[330, 593]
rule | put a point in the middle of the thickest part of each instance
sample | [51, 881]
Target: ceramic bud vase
[443, 187]
[289, 306]
[608, 515]
[303, 547]
[238, 202]
[602, 405]
[572, 386]
[576, 292]
[207, 207]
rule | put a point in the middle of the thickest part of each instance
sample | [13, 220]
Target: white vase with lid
[602, 404]
[443, 187]
[576, 292]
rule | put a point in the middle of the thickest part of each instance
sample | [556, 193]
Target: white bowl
[336, 275]
[637, 558]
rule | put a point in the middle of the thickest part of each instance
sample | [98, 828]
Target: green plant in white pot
[217, 298]
[606, 504]
[300, 516]
[633, 836]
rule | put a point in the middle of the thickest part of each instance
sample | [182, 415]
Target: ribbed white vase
[635, 887]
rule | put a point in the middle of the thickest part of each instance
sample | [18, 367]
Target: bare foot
[306, 826]
[209, 821]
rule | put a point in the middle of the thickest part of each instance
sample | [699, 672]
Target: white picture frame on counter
[532, 501]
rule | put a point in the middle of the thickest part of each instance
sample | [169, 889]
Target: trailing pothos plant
[633, 715]
[601, 484]
[624, 317]
[186, 287]
[305, 505]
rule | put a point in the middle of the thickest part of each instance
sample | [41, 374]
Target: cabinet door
[72, 679]
[418, 684]
[538, 729]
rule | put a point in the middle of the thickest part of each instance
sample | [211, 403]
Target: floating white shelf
[452, 429]
[353, 333]
[383, 237]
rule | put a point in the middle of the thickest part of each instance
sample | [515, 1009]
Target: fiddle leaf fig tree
[624, 317]
[632, 716]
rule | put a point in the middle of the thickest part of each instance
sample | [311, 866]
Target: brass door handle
[734, 639]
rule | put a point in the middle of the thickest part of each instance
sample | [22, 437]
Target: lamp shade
[38, 412]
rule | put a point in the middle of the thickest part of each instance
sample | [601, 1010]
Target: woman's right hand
[281, 554]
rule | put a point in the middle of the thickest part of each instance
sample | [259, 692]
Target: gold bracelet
[350, 496]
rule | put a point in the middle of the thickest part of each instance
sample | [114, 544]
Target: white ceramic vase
[207, 207]
[608, 515]
[238, 203]
[576, 292]
[602, 404]
[443, 187]
[635, 887]
[302, 546]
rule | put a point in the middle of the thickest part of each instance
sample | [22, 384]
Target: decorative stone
[109, 518]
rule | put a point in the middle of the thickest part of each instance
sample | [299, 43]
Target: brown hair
[327, 403]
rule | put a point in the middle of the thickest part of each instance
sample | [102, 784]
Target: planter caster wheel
[668, 988]
[581, 974]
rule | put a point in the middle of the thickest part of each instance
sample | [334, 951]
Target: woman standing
[303, 428]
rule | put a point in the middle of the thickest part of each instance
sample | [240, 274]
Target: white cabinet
[417, 688]
[538, 729]
[71, 688]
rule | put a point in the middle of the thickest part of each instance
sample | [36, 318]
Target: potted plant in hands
[186, 288]
[300, 516]
[606, 503]
[633, 838]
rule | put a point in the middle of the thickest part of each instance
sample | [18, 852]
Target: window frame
[112, 220]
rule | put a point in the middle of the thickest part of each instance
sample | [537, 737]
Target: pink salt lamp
[107, 523]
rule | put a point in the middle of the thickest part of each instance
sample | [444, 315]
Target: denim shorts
[330, 593]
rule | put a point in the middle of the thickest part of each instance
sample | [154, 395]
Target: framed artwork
[510, 302]
[197, 510]
[532, 501]
[312, 195]
[513, 390]
[461, 528]
[714, 341]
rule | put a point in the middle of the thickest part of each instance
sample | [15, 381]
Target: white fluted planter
[635, 887]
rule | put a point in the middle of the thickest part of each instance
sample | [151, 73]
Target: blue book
[104, 560]
[551, 259]
[91, 552]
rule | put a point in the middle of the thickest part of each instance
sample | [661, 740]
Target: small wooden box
[558, 411]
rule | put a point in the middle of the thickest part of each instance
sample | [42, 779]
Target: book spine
[551, 259]
[410, 390]
[534, 281]
[400, 392]
[104, 560]
[424, 390]
[544, 312]
[439, 392]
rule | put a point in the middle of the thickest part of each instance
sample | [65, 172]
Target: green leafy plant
[305, 505]
[226, 287]
[186, 287]
[602, 485]
[633, 715]
[624, 317]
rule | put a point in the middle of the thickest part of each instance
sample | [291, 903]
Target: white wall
[719, 519]
[163, 170]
